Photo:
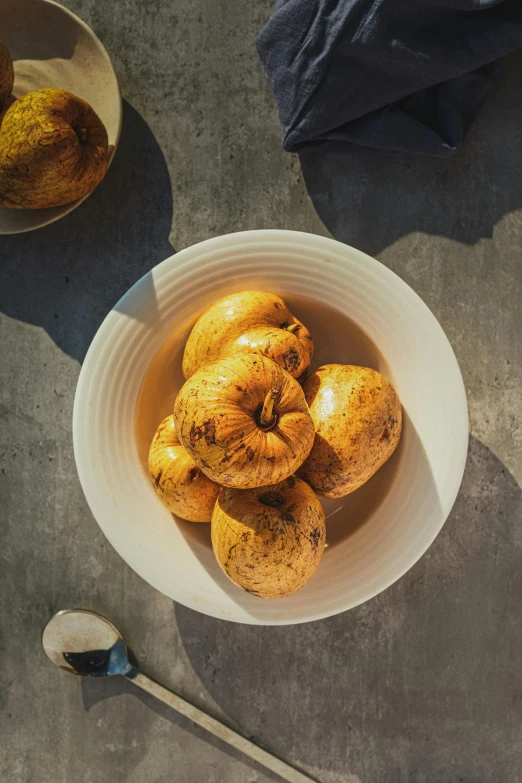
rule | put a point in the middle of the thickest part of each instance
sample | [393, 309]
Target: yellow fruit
[269, 540]
[53, 150]
[179, 483]
[249, 322]
[358, 420]
[244, 421]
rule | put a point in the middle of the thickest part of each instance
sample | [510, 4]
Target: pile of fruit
[53, 146]
[255, 436]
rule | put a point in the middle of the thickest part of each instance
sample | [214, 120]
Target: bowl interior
[51, 47]
[358, 312]
[338, 339]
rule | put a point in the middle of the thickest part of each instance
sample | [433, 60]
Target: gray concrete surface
[424, 683]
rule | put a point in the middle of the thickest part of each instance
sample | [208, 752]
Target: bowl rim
[257, 237]
[68, 208]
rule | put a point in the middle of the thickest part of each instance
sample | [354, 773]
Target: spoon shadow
[96, 690]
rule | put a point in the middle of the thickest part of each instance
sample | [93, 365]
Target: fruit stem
[81, 132]
[293, 327]
[267, 418]
[273, 499]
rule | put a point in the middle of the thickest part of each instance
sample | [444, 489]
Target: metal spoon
[85, 643]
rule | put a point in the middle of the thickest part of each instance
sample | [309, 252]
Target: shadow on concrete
[407, 686]
[67, 276]
[26, 30]
[95, 690]
[370, 199]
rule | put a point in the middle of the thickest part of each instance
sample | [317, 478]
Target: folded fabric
[405, 75]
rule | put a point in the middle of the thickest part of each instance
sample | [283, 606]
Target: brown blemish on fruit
[291, 360]
[157, 478]
[315, 537]
[207, 431]
[230, 551]
[179, 483]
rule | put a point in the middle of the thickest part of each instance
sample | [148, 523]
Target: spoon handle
[221, 731]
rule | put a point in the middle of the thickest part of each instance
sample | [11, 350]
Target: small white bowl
[359, 312]
[51, 47]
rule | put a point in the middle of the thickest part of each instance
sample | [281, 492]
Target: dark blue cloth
[405, 75]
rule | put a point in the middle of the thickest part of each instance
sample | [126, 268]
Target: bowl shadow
[66, 276]
[28, 22]
[405, 686]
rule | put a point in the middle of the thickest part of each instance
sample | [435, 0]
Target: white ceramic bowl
[358, 312]
[51, 47]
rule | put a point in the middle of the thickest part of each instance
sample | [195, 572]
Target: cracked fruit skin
[53, 150]
[249, 322]
[6, 74]
[269, 540]
[358, 420]
[217, 418]
[180, 485]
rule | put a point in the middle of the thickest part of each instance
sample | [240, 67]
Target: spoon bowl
[85, 643]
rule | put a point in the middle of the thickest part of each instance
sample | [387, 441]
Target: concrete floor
[424, 683]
